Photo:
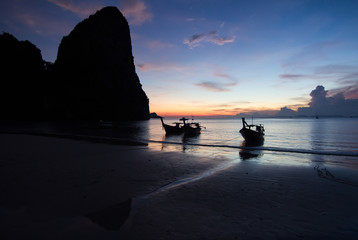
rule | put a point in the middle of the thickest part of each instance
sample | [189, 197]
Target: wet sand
[54, 188]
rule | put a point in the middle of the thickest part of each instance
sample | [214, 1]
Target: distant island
[92, 78]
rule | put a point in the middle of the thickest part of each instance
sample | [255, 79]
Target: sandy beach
[56, 188]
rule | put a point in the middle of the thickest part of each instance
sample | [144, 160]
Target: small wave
[263, 148]
[144, 142]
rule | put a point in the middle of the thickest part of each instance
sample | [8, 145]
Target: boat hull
[252, 137]
[172, 129]
[191, 131]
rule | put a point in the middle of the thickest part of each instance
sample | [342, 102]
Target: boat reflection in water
[246, 153]
[183, 143]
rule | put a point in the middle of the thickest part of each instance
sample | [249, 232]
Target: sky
[219, 57]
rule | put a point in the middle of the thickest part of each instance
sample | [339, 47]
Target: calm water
[326, 134]
[321, 137]
[293, 137]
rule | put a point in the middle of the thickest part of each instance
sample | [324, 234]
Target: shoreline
[144, 142]
[51, 185]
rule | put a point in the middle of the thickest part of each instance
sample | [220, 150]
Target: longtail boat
[188, 128]
[170, 129]
[253, 134]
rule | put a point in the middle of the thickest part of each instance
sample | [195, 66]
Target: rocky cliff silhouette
[93, 76]
[95, 72]
[22, 82]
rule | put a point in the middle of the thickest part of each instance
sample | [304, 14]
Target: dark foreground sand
[54, 188]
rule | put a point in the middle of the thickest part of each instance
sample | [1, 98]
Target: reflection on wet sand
[112, 218]
[187, 141]
[246, 154]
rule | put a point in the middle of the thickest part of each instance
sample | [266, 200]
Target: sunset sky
[222, 57]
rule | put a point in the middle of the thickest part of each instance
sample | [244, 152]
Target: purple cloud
[318, 97]
[136, 11]
[225, 76]
[292, 76]
[196, 39]
[82, 9]
[345, 75]
[326, 103]
[212, 86]
[221, 41]
[217, 86]
[349, 92]
[145, 67]
[323, 104]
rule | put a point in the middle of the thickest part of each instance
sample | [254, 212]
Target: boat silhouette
[188, 128]
[253, 134]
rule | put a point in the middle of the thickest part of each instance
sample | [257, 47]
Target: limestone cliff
[95, 73]
[22, 83]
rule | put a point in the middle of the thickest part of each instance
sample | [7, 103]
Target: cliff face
[95, 73]
[22, 93]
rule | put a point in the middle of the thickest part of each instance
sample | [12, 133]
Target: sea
[288, 141]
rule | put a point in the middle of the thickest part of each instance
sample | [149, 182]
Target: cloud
[212, 86]
[222, 41]
[318, 97]
[196, 39]
[292, 76]
[82, 9]
[43, 25]
[349, 92]
[289, 78]
[335, 68]
[146, 67]
[349, 78]
[344, 75]
[136, 12]
[257, 113]
[327, 103]
[29, 20]
[335, 105]
[309, 54]
[194, 19]
[158, 45]
[222, 84]
[216, 86]
[224, 75]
